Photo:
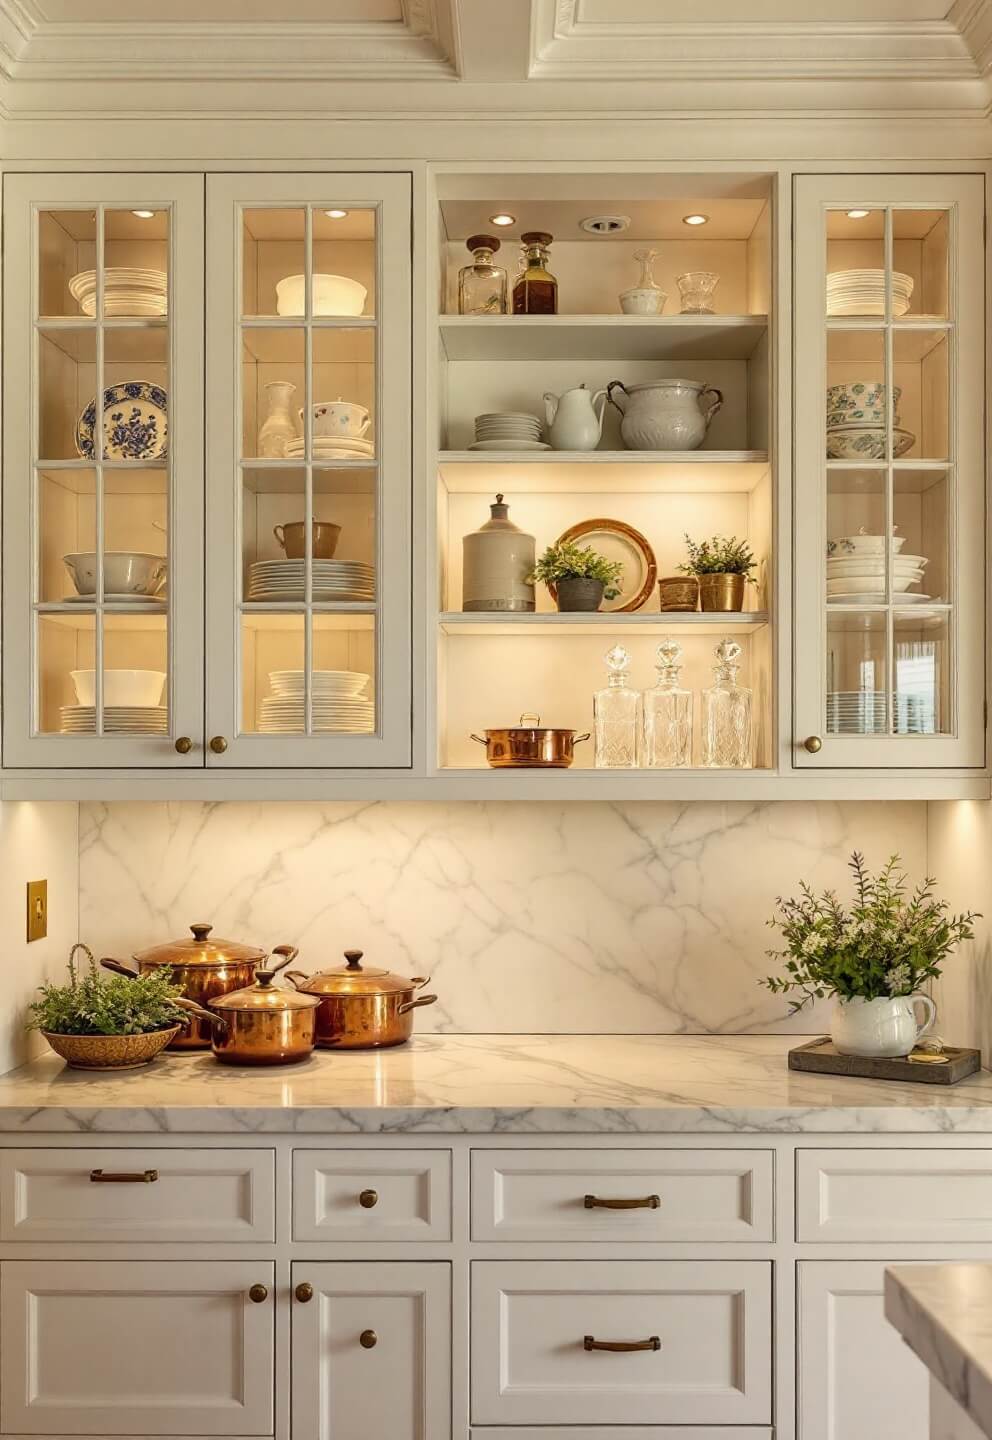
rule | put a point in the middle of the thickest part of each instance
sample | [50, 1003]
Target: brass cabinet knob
[368, 1199]
[368, 1339]
[813, 744]
[304, 1292]
[183, 745]
[218, 744]
[258, 1293]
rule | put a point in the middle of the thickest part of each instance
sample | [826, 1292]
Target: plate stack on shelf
[862, 292]
[117, 719]
[274, 580]
[856, 571]
[126, 292]
[862, 712]
[333, 447]
[338, 703]
[508, 430]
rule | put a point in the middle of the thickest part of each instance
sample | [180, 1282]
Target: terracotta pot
[721, 592]
[678, 592]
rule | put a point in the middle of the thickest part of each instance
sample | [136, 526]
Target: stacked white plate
[861, 578]
[126, 291]
[333, 447]
[508, 430]
[325, 683]
[117, 719]
[862, 292]
[332, 580]
[862, 712]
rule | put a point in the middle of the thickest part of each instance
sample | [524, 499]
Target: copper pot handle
[293, 976]
[287, 952]
[473, 736]
[419, 981]
[577, 739]
[415, 1004]
[118, 967]
[218, 1024]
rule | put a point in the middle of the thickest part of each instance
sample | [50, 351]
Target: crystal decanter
[726, 721]
[668, 714]
[482, 286]
[616, 716]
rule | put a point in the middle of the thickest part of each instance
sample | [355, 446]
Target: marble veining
[573, 918]
[540, 1084]
[944, 1313]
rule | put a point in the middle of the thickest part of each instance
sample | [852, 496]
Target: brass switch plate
[37, 909]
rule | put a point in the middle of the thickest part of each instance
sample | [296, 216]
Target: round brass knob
[258, 1293]
[813, 744]
[218, 744]
[304, 1293]
[368, 1339]
[368, 1199]
[183, 745]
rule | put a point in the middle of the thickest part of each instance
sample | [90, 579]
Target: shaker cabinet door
[309, 458]
[889, 490]
[103, 471]
[371, 1351]
[136, 1348]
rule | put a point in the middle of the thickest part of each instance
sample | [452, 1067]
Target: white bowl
[141, 688]
[125, 572]
[332, 295]
[339, 418]
[868, 584]
[851, 545]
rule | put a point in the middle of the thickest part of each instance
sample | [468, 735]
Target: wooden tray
[821, 1057]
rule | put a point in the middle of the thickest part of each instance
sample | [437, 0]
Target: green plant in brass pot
[116, 1024]
[578, 577]
[722, 565]
[871, 955]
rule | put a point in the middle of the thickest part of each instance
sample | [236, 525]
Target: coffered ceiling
[504, 58]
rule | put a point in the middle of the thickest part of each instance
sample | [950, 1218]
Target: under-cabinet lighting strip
[98, 450]
[308, 472]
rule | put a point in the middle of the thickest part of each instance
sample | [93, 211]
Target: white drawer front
[151, 1196]
[110, 1348]
[712, 1321]
[894, 1195]
[623, 1432]
[341, 1195]
[692, 1195]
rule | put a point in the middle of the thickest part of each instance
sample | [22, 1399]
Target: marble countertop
[470, 1084]
[944, 1313]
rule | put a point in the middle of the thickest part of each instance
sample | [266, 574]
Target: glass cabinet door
[103, 470]
[308, 424]
[890, 472]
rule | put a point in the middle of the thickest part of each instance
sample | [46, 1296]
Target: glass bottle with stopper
[482, 286]
[535, 290]
[616, 716]
[668, 714]
[727, 732]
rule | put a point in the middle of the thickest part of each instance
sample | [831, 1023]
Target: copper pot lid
[264, 995]
[354, 978]
[200, 951]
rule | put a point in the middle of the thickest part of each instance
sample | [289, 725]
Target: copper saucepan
[261, 1025]
[361, 1008]
[205, 968]
[530, 746]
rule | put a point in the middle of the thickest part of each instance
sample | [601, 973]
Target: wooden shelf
[602, 337]
[456, 622]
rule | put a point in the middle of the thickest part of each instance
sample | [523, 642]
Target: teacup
[292, 538]
[860, 400]
[339, 418]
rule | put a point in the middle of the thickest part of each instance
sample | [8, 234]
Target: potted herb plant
[116, 1024]
[723, 566]
[577, 576]
[871, 956]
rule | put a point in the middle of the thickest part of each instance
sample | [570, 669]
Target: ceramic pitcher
[665, 414]
[883, 1027]
[574, 422]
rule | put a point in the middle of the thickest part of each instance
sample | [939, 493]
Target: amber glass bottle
[535, 291]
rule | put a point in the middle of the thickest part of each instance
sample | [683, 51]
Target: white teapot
[574, 423]
[665, 414]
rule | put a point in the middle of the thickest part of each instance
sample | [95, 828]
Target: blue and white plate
[135, 423]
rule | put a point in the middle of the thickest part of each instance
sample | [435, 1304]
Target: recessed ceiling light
[503, 219]
[695, 219]
[143, 214]
[336, 214]
[604, 224]
[857, 214]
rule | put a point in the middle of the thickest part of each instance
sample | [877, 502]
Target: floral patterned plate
[135, 423]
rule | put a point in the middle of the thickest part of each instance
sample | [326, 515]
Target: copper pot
[536, 745]
[361, 1008]
[205, 969]
[260, 1025]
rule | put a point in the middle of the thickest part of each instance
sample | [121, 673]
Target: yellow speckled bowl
[110, 1052]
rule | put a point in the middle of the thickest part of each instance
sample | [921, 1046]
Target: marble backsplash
[634, 918]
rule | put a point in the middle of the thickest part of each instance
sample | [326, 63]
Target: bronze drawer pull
[258, 1294]
[589, 1343]
[368, 1339]
[643, 1202]
[368, 1199]
[124, 1177]
[304, 1292]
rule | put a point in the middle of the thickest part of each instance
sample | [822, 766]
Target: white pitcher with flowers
[871, 956]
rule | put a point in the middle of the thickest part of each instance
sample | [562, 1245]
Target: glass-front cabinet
[889, 629]
[253, 610]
